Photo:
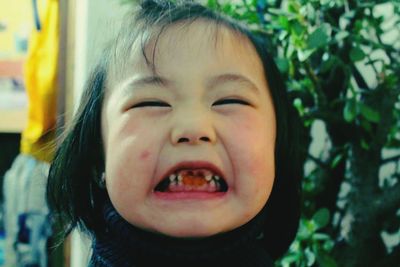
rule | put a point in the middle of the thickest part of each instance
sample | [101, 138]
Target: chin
[191, 230]
[190, 234]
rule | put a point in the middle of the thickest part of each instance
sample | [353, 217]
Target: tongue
[193, 183]
[193, 180]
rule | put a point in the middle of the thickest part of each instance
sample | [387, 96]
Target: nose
[193, 126]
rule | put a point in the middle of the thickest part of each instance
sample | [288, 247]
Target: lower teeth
[208, 187]
[192, 182]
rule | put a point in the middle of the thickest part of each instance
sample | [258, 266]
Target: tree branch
[392, 259]
[388, 201]
[321, 99]
[359, 78]
[318, 161]
[388, 160]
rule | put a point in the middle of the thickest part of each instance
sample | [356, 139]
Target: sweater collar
[125, 245]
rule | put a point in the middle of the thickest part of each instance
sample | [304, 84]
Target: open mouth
[192, 180]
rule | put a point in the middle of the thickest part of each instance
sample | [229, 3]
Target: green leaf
[213, 4]
[287, 260]
[357, 54]
[310, 12]
[349, 15]
[310, 256]
[297, 28]
[303, 55]
[325, 2]
[290, 50]
[370, 114]
[325, 260]
[365, 145]
[321, 236]
[228, 9]
[328, 244]
[366, 125]
[277, 11]
[336, 160]
[283, 21]
[305, 230]
[350, 110]
[341, 35]
[329, 64]
[283, 64]
[321, 217]
[299, 106]
[293, 7]
[317, 38]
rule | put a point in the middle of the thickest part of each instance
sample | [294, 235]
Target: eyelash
[231, 101]
[150, 103]
[163, 104]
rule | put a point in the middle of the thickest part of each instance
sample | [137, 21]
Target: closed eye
[231, 101]
[151, 104]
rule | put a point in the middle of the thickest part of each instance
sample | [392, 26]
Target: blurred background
[341, 63]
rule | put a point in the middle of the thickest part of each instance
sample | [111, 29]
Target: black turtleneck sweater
[124, 245]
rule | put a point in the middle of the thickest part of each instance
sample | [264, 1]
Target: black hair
[73, 191]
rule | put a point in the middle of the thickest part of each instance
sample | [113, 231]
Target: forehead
[190, 38]
[152, 50]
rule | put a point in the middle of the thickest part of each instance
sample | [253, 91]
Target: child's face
[190, 116]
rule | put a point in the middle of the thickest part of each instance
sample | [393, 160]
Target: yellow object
[40, 75]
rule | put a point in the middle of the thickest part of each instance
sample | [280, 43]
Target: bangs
[143, 30]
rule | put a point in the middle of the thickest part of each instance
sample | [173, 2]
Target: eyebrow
[214, 82]
[150, 80]
[231, 77]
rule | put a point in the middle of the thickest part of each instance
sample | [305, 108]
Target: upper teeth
[208, 175]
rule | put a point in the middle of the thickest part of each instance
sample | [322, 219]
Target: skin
[199, 115]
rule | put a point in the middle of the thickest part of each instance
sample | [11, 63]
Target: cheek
[254, 144]
[252, 152]
[130, 177]
[144, 155]
[130, 140]
[130, 156]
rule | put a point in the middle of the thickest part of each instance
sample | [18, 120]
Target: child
[183, 151]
